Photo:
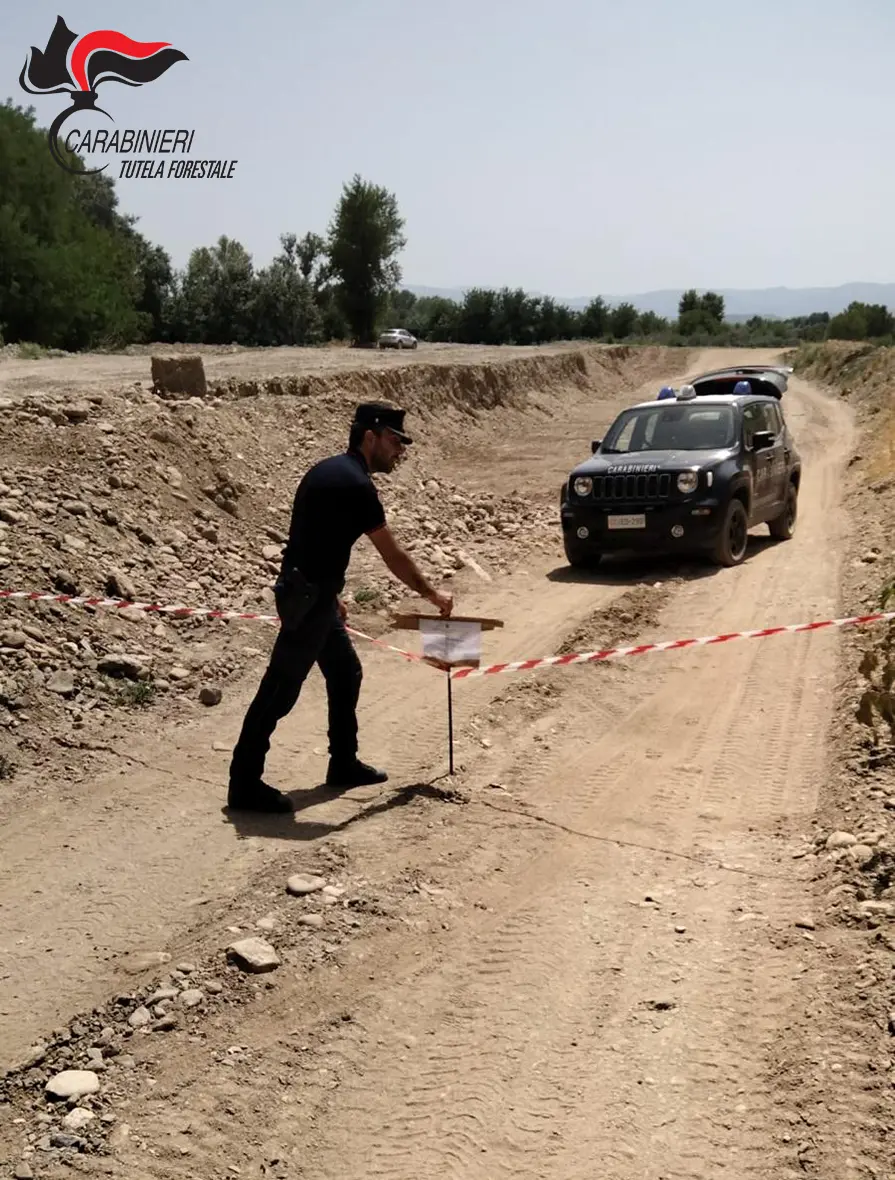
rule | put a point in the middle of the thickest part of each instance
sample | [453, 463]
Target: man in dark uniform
[335, 504]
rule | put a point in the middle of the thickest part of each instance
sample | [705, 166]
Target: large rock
[123, 667]
[179, 374]
[254, 954]
[72, 1083]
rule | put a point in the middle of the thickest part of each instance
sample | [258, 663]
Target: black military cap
[375, 415]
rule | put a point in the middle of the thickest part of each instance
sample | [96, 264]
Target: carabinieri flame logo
[76, 65]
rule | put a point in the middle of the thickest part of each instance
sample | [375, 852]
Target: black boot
[257, 797]
[351, 772]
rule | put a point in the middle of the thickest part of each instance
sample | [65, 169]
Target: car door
[758, 461]
[779, 453]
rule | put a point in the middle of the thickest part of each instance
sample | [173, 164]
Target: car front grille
[616, 488]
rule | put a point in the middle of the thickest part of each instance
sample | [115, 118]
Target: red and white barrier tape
[181, 612]
[462, 673]
[668, 645]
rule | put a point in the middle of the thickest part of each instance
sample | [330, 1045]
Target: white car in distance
[397, 338]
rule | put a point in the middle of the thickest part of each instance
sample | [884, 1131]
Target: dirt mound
[854, 842]
[864, 376]
[186, 501]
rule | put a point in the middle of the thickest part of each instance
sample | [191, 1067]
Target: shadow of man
[283, 826]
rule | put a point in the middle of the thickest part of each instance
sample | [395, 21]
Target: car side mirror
[762, 439]
[595, 445]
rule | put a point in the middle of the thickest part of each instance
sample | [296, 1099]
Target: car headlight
[687, 481]
[583, 485]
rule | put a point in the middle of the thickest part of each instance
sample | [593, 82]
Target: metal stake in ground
[449, 643]
[450, 687]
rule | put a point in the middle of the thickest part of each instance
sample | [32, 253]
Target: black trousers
[319, 638]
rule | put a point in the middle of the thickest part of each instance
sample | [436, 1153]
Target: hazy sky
[574, 147]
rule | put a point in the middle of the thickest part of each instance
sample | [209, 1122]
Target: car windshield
[672, 427]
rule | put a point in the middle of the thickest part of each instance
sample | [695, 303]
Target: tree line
[76, 273]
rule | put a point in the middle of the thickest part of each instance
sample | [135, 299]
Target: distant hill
[739, 303]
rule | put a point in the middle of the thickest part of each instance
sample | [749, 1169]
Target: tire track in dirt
[844, 1089]
[683, 1093]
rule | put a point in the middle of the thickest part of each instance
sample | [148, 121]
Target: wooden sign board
[452, 642]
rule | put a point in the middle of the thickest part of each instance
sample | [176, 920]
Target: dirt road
[589, 969]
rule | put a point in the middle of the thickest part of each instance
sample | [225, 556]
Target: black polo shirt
[335, 504]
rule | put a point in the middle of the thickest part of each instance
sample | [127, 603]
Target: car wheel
[784, 526]
[580, 558]
[731, 546]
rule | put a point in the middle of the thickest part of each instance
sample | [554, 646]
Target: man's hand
[343, 609]
[444, 602]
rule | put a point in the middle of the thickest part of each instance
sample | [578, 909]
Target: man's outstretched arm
[404, 567]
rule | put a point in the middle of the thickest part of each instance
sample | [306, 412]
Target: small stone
[210, 696]
[77, 412]
[886, 908]
[315, 920]
[272, 552]
[78, 1119]
[63, 1140]
[119, 585]
[840, 840]
[192, 997]
[62, 683]
[805, 924]
[123, 667]
[255, 955]
[10, 516]
[187, 968]
[860, 854]
[22, 1172]
[72, 1083]
[140, 1018]
[302, 883]
[214, 987]
[680, 929]
[162, 994]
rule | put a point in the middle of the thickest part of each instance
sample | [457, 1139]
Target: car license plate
[627, 522]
